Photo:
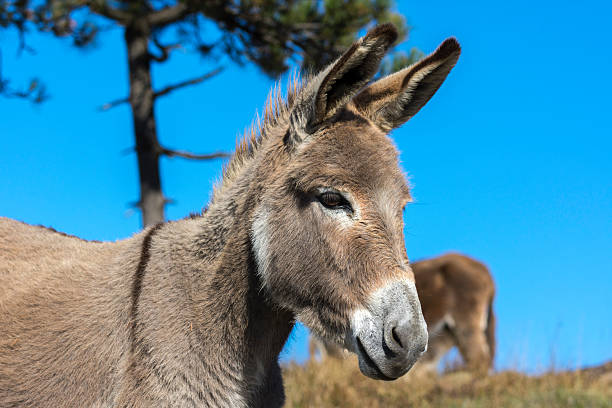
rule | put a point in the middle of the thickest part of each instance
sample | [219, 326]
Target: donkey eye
[334, 201]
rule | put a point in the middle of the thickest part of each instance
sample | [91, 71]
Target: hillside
[340, 384]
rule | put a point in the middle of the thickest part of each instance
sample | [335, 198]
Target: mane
[51, 229]
[275, 112]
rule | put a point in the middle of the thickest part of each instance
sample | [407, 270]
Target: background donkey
[456, 294]
[305, 224]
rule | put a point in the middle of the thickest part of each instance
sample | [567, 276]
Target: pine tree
[267, 33]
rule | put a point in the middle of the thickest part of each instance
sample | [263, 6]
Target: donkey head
[328, 232]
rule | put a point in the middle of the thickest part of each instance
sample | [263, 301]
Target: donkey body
[306, 224]
[456, 294]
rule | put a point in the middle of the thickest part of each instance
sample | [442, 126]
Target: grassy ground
[335, 383]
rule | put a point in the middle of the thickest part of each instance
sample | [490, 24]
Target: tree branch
[102, 8]
[112, 104]
[168, 15]
[35, 91]
[162, 151]
[171, 88]
[187, 155]
[166, 90]
[164, 49]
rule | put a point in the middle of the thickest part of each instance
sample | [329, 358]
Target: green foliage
[55, 16]
[49, 16]
[400, 60]
[268, 33]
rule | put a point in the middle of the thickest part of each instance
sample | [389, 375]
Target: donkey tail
[490, 331]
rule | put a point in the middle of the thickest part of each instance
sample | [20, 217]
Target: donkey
[456, 294]
[305, 224]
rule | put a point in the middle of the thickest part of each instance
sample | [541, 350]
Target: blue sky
[510, 161]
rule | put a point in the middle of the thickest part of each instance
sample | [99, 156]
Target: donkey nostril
[396, 337]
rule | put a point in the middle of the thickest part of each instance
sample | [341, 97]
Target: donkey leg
[473, 346]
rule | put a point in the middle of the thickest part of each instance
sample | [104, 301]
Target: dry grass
[334, 383]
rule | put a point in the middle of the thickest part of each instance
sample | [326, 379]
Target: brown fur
[456, 294]
[195, 312]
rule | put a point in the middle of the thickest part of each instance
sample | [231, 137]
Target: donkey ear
[334, 87]
[396, 98]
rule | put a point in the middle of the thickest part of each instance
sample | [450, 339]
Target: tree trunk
[142, 100]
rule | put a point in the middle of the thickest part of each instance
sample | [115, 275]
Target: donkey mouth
[390, 333]
[368, 367]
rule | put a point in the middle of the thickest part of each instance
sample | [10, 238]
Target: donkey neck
[230, 296]
[233, 314]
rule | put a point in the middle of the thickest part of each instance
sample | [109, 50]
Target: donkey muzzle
[390, 333]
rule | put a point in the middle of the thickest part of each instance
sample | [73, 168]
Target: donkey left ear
[334, 87]
[391, 101]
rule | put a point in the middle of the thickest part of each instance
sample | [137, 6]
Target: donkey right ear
[391, 101]
[334, 87]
